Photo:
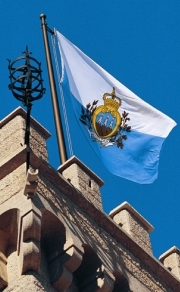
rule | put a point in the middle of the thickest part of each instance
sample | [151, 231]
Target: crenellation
[100, 242]
[11, 144]
[54, 235]
[38, 144]
[139, 232]
[134, 224]
[171, 260]
[12, 135]
[12, 183]
[15, 124]
[81, 177]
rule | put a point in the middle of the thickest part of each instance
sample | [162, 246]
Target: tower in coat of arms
[106, 119]
[105, 124]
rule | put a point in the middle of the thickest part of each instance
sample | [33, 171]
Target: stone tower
[54, 235]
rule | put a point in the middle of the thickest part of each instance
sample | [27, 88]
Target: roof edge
[19, 111]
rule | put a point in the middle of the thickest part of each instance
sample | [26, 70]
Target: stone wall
[54, 235]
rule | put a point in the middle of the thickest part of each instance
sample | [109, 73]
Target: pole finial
[42, 16]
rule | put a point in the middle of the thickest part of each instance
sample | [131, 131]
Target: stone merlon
[133, 223]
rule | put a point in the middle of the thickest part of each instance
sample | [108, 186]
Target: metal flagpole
[57, 117]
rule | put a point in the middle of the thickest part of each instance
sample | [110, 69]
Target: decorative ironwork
[26, 81]
[26, 84]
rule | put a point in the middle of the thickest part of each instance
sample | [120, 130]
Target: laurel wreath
[119, 137]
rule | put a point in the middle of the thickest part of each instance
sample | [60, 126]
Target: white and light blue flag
[126, 132]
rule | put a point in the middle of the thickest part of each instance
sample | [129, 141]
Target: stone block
[12, 133]
[134, 224]
[171, 260]
[82, 178]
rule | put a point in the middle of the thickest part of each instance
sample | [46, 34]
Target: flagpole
[57, 117]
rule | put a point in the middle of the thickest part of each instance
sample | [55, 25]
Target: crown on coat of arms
[114, 102]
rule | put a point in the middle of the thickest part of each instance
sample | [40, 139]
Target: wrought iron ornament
[26, 84]
[26, 81]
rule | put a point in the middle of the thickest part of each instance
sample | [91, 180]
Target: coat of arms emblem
[104, 123]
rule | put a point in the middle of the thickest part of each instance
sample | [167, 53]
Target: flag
[126, 132]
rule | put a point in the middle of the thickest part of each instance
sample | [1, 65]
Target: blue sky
[137, 41]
